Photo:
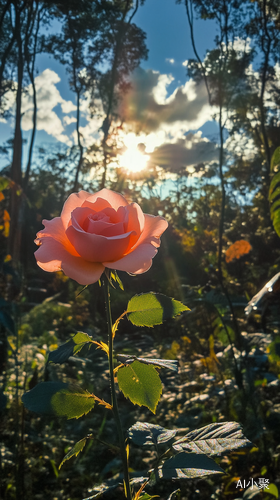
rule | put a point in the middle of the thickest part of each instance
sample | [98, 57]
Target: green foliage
[272, 491]
[70, 348]
[213, 439]
[188, 465]
[58, 399]
[274, 191]
[141, 384]
[149, 309]
[79, 446]
[162, 363]
[114, 275]
[145, 434]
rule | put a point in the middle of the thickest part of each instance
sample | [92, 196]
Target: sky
[165, 112]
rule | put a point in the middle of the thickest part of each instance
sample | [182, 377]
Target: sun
[134, 159]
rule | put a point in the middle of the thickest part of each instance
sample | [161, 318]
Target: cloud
[146, 106]
[171, 61]
[186, 152]
[67, 120]
[48, 97]
[185, 63]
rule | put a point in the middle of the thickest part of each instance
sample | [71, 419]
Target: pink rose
[96, 231]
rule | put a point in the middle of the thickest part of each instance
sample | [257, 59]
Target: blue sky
[180, 108]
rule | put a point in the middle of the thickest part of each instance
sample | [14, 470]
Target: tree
[96, 35]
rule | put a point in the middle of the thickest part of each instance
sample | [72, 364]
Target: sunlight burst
[134, 160]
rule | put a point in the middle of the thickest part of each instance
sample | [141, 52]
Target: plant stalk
[105, 285]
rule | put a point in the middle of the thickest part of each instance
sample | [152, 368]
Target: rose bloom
[96, 231]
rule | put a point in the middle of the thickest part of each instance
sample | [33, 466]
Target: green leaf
[52, 462]
[127, 359]
[271, 489]
[116, 278]
[188, 465]
[59, 399]
[141, 384]
[143, 434]
[274, 191]
[70, 348]
[77, 448]
[149, 309]
[213, 439]
[275, 160]
[4, 183]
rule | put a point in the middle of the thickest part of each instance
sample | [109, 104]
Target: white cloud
[48, 97]
[67, 106]
[67, 120]
[160, 90]
[146, 106]
[185, 63]
[171, 61]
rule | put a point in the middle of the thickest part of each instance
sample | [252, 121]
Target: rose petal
[136, 262]
[116, 200]
[135, 222]
[139, 260]
[75, 200]
[96, 248]
[82, 221]
[79, 217]
[153, 229]
[105, 228]
[54, 229]
[74, 267]
[98, 205]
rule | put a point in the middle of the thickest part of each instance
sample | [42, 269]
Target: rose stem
[105, 284]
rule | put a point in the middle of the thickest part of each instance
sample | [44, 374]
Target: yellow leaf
[6, 219]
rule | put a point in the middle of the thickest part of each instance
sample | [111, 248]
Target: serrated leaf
[77, 448]
[141, 384]
[59, 399]
[127, 359]
[213, 439]
[70, 348]
[145, 434]
[149, 309]
[188, 465]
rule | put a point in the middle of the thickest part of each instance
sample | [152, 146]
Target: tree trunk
[81, 158]
[16, 173]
